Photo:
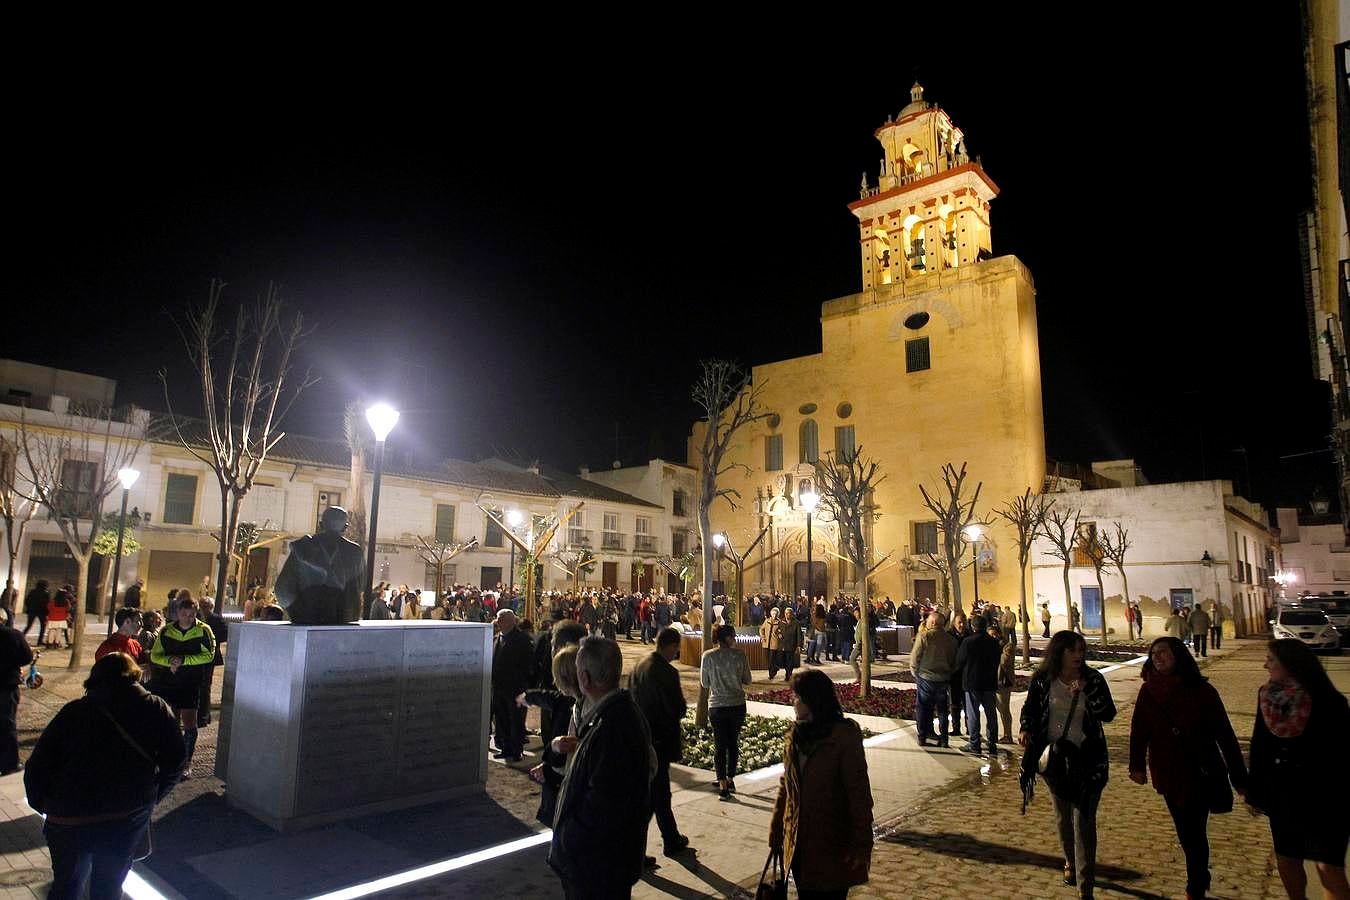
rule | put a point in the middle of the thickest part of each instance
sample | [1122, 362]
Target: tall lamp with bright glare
[128, 477]
[810, 500]
[973, 534]
[720, 542]
[513, 520]
[382, 418]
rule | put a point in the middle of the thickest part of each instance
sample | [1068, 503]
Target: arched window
[808, 442]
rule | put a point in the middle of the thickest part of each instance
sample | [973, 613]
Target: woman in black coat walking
[1301, 732]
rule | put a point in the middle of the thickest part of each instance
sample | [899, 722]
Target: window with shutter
[180, 499]
[917, 356]
[445, 523]
[773, 453]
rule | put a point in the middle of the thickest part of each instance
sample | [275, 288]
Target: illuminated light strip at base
[137, 888]
[1132, 662]
[438, 868]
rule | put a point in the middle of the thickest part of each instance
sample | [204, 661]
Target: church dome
[916, 101]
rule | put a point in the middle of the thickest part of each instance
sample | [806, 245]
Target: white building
[666, 484]
[177, 505]
[1189, 543]
[1316, 558]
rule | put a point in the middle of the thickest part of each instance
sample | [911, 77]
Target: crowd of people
[606, 749]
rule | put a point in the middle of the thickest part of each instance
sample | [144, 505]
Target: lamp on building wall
[973, 532]
[1319, 503]
[513, 519]
[127, 477]
[810, 500]
[382, 418]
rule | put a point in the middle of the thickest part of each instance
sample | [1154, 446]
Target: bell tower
[929, 209]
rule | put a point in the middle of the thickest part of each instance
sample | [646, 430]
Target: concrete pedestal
[324, 723]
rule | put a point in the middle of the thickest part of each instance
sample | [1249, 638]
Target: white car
[1311, 626]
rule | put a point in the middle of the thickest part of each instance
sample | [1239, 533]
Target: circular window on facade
[806, 409]
[774, 420]
[916, 321]
[844, 410]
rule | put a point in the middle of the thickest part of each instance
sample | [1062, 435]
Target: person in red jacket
[1181, 727]
[124, 639]
[645, 617]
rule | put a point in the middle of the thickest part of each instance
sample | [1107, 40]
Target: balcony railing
[611, 541]
[578, 537]
[644, 543]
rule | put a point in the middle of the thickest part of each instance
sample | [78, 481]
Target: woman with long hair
[1067, 704]
[822, 820]
[725, 672]
[1180, 727]
[97, 772]
[1301, 732]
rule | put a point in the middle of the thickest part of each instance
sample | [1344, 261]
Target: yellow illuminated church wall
[979, 402]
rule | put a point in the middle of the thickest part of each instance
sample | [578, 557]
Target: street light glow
[128, 477]
[382, 418]
[719, 540]
[973, 532]
[514, 518]
[810, 500]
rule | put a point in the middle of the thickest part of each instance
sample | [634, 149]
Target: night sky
[528, 251]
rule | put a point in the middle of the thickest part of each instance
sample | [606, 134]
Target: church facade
[935, 360]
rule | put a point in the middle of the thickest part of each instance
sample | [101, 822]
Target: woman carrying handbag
[1181, 726]
[821, 830]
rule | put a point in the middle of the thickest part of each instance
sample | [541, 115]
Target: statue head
[334, 520]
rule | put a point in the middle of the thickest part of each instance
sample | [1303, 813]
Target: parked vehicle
[1309, 625]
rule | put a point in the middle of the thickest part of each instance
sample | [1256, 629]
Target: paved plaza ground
[948, 824]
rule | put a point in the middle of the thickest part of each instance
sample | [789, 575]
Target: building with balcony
[1316, 556]
[176, 506]
[669, 485]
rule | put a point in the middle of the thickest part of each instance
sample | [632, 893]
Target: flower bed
[1096, 653]
[883, 701]
[1020, 682]
[761, 743]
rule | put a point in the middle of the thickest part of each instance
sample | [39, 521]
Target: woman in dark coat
[1070, 700]
[97, 772]
[1181, 727]
[1299, 740]
[822, 820]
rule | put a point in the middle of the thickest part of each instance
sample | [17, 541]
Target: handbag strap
[126, 737]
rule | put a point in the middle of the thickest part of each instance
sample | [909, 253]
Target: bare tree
[353, 422]
[17, 510]
[437, 553]
[954, 513]
[1115, 547]
[247, 387]
[845, 487]
[1026, 514]
[575, 563]
[1060, 529]
[1090, 542]
[727, 401]
[70, 469]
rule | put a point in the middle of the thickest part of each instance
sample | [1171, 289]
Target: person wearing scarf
[822, 819]
[1301, 732]
[1180, 727]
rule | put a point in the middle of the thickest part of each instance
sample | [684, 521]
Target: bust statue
[321, 582]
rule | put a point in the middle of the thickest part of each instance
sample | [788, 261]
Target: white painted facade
[669, 485]
[1171, 528]
[1315, 554]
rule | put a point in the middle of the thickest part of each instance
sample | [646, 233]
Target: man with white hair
[512, 654]
[600, 826]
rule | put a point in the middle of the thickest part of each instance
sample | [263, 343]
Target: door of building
[1091, 608]
[925, 589]
[491, 577]
[174, 569]
[52, 562]
[820, 582]
[642, 584]
[673, 585]
[609, 574]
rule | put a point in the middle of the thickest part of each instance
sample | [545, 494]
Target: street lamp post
[720, 542]
[513, 519]
[810, 500]
[973, 534]
[382, 418]
[128, 477]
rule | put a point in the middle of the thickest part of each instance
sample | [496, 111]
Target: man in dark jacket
[96, 773]
[132, 597]
[35, 607]
[511, 657]
[655, 686]
[14, 655]
[977, 659]
[600, 828]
